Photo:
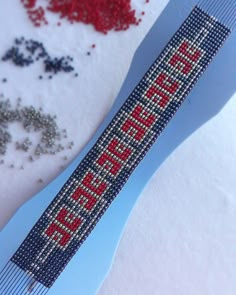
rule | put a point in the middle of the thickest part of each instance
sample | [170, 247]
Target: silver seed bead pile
[33, 121]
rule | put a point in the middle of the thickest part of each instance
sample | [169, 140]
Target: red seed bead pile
[29, 4]
[104, 15]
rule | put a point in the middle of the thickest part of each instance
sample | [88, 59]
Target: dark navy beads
[25, 52]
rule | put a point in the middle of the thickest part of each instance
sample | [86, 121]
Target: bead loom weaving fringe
[26, 284]
[97, 180]
[224, 11]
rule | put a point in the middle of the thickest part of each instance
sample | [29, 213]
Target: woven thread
[223, 10]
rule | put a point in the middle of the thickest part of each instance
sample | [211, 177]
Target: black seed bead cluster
[25, 52]
[56, 65]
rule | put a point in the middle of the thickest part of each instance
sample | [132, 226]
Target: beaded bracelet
[97, 180]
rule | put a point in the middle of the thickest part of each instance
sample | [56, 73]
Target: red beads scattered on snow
[36, 14]
[104, 15]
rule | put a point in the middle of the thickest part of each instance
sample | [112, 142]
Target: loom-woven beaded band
[95, 183]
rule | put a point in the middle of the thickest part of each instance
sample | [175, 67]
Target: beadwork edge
[90, 265]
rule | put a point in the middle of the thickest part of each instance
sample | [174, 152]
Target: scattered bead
[31, 159]
[24, 145]
[37, 16]
[19, 102]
